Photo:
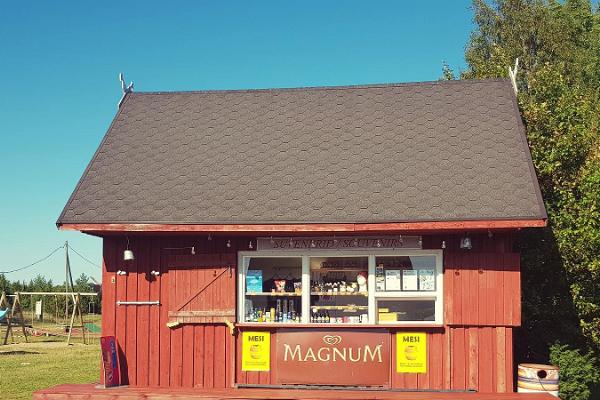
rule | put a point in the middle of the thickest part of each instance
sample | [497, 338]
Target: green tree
[558, 46]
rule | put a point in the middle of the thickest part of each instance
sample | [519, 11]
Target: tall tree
[558, 46]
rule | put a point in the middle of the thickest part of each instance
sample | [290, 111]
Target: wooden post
[16, 309]
[76, 310]
[4, 304]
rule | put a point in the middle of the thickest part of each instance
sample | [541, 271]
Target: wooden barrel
[537, 378]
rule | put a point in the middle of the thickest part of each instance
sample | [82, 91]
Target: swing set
[13, 314]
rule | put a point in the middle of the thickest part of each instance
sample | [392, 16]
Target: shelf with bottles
[333, 316]
[365, 294]
[348, 307]
[274, 311]
[275, 294]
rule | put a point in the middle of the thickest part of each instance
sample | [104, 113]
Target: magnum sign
[333, 357]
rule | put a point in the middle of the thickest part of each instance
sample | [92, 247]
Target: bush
[579, 373]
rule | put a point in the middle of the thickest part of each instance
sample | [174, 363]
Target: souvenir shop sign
[256, 351]
[339, 243]
[333, 357]
[411, 352]
[110, 361]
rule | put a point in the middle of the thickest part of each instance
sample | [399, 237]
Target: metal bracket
[138, 303]
[125, 89]
[512, 72]
[231, 327]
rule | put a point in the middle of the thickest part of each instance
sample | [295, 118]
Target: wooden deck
[93, 392]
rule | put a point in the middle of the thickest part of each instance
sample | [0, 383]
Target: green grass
[26, 367]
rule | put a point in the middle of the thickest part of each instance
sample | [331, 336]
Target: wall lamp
[465, 243]
[128, 254]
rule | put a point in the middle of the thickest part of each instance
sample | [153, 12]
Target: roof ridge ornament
[512, 72]
[124, 88]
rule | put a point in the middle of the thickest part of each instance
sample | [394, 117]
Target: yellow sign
[256, 351]
[411, 352]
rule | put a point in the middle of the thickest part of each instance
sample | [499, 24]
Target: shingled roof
[432, 151]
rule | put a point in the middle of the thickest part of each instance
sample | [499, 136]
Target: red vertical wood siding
[472, 351]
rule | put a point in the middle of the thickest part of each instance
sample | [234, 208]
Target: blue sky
[59, 64]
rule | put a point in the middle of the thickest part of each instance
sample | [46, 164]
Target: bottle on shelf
[278, 316]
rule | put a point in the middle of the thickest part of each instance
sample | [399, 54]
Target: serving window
[378, 287]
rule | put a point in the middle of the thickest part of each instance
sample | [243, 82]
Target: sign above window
[340, 243]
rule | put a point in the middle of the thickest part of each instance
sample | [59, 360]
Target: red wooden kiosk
[335, 242]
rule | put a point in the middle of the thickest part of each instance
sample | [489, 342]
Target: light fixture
[443, 244]
[313, 244]
[155, 273]
[250, 245]
[128, 254]
[355, 242]
[490, 234]
[291, 242]
[228, 243]
[192, 249]
[420, 241]
[121, 272]
[400, 239]
[465, 243]
[272, 241]
[378, 243]
[209, 237]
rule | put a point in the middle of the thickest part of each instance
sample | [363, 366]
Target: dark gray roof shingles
[433, 151]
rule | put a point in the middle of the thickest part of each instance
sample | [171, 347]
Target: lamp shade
[465, 243]
[128, 255]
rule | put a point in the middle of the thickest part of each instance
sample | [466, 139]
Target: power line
[84, 258]
[35, 262]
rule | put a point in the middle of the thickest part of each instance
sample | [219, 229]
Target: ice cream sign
[256, 351]
[411, 352]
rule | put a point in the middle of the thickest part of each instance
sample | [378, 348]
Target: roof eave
[428, 226]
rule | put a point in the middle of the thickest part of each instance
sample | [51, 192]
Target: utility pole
[66, 279]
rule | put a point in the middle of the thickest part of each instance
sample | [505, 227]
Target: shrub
[579, 373]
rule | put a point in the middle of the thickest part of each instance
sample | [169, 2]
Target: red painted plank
[143, 314]
[486, 360]
[509, 363]
[230, 357]
[121, 311]
[165, 332]
[187, 373]
[176, 370]
[470, 296]
[458, 287]
[132, 295]
[500, 370]
[199, 356]
[209, 353]
[473, 357]
[220, 358]
[109, 284]
[436, 354]
[154, 317]
[458, 361]
[448, 288]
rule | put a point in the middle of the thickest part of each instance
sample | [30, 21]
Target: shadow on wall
[548, 312]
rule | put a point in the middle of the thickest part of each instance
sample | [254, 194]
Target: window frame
[371, 254]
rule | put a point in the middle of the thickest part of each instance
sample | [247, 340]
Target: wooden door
[202, 288]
